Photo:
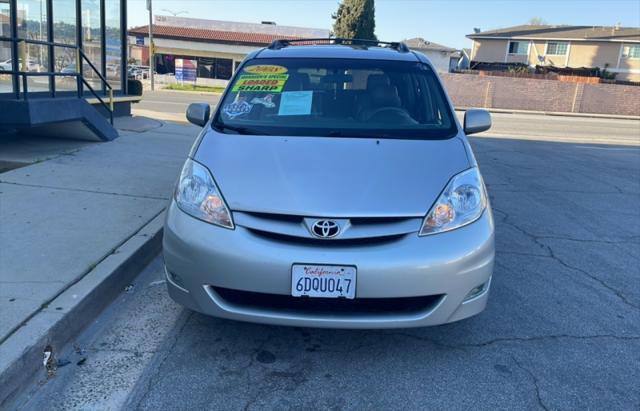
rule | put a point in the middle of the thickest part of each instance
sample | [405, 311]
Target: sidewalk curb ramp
[62, 319]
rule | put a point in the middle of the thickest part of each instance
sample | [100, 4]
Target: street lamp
[151, 57]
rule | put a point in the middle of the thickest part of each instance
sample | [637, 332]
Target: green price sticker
[262, 83]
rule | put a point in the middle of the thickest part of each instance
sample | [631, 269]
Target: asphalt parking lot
[561, 331]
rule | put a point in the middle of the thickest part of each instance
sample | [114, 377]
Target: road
[561, 331]
[171, 105]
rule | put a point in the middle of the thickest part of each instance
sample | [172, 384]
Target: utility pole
[151, 47]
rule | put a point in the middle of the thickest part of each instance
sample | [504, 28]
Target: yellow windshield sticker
[265, 69]
[263, 83]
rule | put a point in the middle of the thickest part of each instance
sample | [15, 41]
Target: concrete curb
[57, 323]
[553, 113]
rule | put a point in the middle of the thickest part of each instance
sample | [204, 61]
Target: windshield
[336, 97]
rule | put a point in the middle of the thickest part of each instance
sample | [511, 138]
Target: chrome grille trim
[357, 227]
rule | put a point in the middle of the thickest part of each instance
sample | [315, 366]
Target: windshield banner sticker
[236, 109]
[295, 103]
[265, 69]
[262, 83]
[266, 101]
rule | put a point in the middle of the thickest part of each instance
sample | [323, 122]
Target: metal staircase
[58, 111]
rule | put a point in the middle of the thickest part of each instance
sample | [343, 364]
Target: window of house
[631, 51]
[556, 48]
[518, 47]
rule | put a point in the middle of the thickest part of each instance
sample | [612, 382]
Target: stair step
[71, 115]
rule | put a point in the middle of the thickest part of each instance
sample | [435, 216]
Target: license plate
[326, 281]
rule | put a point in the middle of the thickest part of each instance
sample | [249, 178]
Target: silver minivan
[332, 187]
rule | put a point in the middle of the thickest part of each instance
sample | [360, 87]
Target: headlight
[462, 202]
[198, 195]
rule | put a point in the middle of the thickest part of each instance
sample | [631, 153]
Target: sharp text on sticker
[273, 83]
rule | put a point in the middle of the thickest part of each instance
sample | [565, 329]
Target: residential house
[615, 48]
[442, 57]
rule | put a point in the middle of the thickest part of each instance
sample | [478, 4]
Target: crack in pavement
[515, 339]
[167, 352]
[551, 254]
[80, 190]
[535, 383]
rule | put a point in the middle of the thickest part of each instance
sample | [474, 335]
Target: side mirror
[198, 113]
[476, 121]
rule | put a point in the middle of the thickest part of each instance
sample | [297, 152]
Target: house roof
[419, 43]
[592, 33]
[195, 34]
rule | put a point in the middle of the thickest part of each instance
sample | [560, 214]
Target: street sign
[139, 40]
[186, 70]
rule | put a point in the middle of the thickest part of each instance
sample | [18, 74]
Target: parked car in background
[333, 187]
[31, 65]
[138, 72]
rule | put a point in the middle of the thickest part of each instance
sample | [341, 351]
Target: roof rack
[282, 43]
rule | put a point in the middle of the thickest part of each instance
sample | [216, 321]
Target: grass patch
[193, 87]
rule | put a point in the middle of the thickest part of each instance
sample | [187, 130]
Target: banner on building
[186, 70]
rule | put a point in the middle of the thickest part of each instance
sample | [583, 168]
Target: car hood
[331, 176]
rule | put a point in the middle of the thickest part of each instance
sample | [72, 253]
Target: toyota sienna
[332, 187]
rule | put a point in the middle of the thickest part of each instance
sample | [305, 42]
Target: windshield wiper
[239, 130]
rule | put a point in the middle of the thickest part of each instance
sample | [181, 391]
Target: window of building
[215, 68]
[64, 32]
[224, 68]
[61, 22]
[113, 43]
[6, 82]
[32, 25]
[518, 47]
[555, 48]
[92, 41]
[631, 51]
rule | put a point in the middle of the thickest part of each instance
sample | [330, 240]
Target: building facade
[63, 67]
[216, 46]
[44, 36]
[443, 58]
[616, 49]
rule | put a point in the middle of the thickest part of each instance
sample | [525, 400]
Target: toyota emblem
[325, 228]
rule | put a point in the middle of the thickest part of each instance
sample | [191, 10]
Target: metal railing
[81, 57]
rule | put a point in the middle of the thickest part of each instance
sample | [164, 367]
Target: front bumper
[201, 258]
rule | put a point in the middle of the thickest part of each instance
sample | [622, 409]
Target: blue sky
[440, 21]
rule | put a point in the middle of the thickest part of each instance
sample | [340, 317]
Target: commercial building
[61, 61]
[216, 46]
[615, 48]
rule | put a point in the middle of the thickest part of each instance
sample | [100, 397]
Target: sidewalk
[78, 207]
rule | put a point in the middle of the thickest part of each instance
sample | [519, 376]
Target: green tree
[355, 19]
[537, 21]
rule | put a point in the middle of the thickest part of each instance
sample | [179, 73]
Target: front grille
[285, 218]
[333, 242]
[295, 229]
[329, 306]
